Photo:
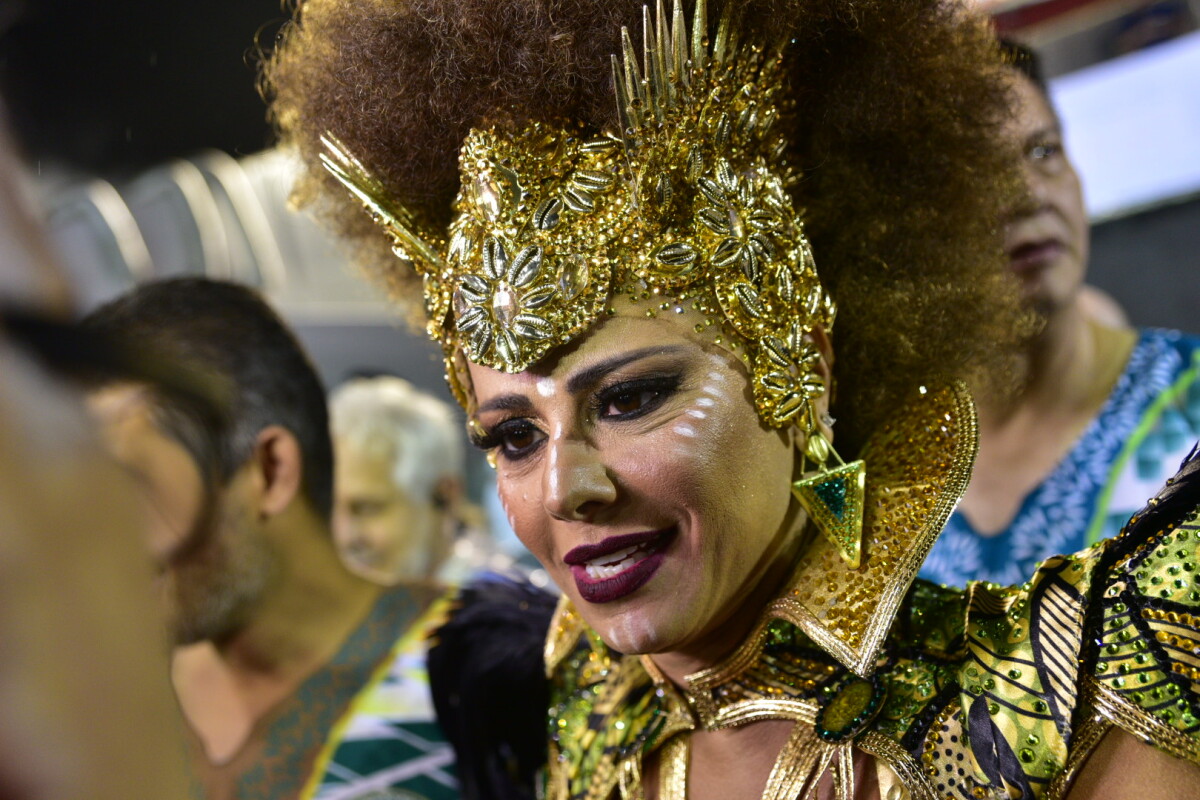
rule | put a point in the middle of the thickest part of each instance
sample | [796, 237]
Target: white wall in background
[1133, 126]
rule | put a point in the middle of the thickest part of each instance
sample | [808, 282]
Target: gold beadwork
[845, 610]
[672, 780]
[687, 201]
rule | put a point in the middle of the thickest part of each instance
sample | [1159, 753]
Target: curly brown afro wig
[905, 178]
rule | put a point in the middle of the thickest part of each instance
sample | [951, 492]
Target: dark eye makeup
[626, 400]
[516, 438]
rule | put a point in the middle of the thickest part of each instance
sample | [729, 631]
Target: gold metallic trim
[631, 780]
[566, 626]
[843, 773]
[1129, 717]
[1083, 742]
[760, 710]
[673, 769]
[902, 762]
[800, 763]
[393, 217]
[880, 609]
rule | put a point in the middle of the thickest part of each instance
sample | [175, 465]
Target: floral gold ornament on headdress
[685, 205]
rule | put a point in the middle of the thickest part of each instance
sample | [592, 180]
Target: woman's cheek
[516, 505]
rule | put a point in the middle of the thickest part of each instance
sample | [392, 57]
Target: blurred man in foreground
[280, 649]
[73, 578]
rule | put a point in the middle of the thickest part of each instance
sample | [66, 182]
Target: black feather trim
[489, 685]
[1178, 497]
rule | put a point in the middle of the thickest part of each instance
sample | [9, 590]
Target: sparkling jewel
[573, 277]
[461, 304]
[487, 195]
[505, 304]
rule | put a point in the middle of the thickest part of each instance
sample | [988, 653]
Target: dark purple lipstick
[617, 566]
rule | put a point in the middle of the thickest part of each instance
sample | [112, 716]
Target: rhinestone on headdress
[687, 201]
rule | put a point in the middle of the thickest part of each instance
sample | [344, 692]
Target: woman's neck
[731, 631]
[1072, 369]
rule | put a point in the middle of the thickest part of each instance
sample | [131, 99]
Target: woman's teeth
[613, 564]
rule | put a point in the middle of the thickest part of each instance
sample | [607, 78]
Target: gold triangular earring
[833, 497]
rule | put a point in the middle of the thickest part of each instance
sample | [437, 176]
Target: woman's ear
[278, 465]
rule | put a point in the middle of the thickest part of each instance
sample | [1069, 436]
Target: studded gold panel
[919, 463]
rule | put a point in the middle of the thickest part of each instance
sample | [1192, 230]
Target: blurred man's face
[1047, 243]
[383, 533]
[212, 562]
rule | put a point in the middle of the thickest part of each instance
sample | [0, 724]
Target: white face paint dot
[545, 387]
[683, 429]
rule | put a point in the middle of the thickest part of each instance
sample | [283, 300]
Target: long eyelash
[487, 440]
[484, 442]
[664, 384]
[494, 437]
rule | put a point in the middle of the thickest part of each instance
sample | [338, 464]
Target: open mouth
[618, 566]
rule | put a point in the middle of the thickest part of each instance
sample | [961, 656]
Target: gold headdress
[686, 204]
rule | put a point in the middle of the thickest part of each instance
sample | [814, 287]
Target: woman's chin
[639, 629]
[633, 637]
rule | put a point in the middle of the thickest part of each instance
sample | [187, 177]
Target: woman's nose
[577, 485]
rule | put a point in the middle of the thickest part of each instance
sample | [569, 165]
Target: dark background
[110, 86]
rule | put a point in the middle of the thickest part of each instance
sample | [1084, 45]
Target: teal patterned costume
[360, 728]
[1147, 425]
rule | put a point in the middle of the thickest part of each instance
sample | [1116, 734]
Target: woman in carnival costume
[617, 234]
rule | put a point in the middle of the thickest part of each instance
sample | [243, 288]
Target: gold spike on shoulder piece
[920, 464]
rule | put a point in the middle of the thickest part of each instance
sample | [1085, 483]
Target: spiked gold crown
[686, 205]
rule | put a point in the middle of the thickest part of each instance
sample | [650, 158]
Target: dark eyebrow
[507, 402]
[586, 377]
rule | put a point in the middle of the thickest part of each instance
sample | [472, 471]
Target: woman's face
[1047, 243]
[634, 467]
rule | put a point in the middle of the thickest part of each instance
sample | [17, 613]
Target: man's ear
[278, 467]
[447, 493]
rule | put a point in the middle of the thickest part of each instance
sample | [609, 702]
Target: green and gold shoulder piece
[1145, 655]
[994, 692]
